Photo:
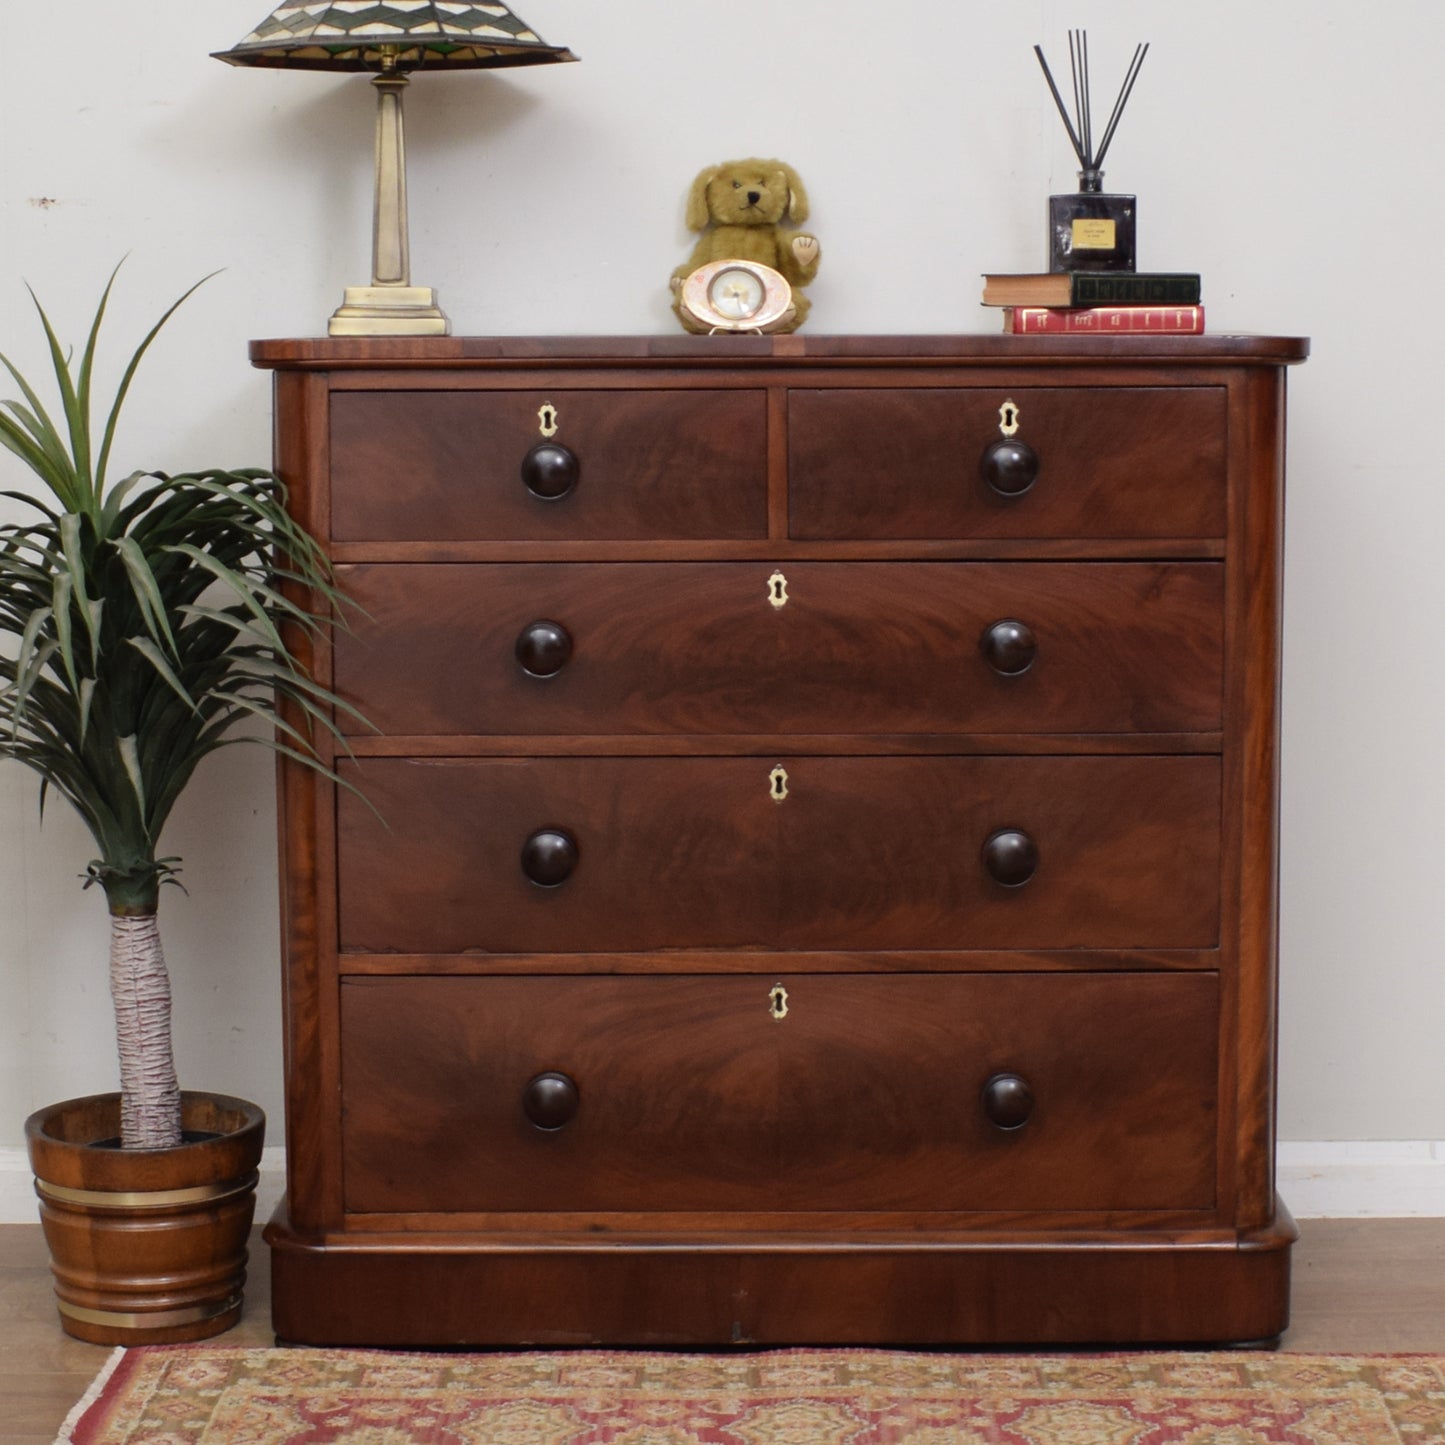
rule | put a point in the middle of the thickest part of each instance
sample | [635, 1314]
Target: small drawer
[1014, 1092]
[825, 648]
[463, 466]
[1125, 462]
[603, 854]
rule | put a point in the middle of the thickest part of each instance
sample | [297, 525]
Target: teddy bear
[738, 206]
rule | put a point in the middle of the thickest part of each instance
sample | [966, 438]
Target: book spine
[1105, 320]
[1125, 289]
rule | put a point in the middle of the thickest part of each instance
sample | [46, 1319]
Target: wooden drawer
[861, 853]
[859, 647]
[425, 465]
[867, 1095]
[1113, 462]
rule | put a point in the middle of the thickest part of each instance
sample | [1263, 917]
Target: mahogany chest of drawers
[812, 874]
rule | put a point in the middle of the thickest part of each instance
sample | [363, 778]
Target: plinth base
[741, 1289]
[389, 311]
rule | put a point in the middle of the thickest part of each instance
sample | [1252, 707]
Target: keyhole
[547, 419]
[778, 590]
[778, 783]
[1008, 418]
[778, 1002]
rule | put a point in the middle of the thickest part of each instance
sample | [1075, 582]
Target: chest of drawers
[812, 875]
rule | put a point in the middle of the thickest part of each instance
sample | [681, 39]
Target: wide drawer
[1111, 462]
[922, 1092]
[736, 647]
[425, 466]
[807, 853]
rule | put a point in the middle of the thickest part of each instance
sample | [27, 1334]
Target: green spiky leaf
[147, 620]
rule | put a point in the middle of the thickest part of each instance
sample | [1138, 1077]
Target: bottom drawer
[810, 1092]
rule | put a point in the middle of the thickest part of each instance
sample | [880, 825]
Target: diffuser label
[1090, 235]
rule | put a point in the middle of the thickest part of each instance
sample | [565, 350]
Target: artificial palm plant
[146, 618]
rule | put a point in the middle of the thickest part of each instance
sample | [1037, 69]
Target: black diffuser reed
[1090, 231]
[1081, 128]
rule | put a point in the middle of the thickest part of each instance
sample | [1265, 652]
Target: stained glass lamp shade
[390, 38]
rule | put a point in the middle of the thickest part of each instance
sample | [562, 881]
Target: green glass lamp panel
[389, 19]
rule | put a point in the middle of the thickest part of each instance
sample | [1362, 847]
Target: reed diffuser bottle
[1091, 229]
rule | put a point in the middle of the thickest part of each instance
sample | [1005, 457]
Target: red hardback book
[1104, 320]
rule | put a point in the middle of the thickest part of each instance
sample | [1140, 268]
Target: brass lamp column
[391, 305]
[391, 37]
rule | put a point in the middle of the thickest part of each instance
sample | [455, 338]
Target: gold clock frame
[776, 311]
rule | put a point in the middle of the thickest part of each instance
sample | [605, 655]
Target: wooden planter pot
[148, 1246]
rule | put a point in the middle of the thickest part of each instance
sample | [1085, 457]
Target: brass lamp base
[389, 311]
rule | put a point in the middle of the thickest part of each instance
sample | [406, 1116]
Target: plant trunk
[141, 990]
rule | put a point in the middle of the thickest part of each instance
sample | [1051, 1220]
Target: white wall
[1287, 151]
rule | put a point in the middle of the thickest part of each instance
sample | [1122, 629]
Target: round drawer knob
[1008, 1101]
[550, 1100]
[549, 856]
[1010, 856]
[550, 471]
[1009, 646]
[543, 648]
[1010, 467]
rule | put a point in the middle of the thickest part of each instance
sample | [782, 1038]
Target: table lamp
[391, 38]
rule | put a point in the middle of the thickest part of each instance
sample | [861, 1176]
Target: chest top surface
[325, 353]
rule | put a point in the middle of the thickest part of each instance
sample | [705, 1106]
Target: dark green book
[1093, 288]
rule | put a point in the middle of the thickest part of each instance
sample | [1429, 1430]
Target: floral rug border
[197, 1394]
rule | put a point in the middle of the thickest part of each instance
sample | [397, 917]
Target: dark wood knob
[1010, 856]
[549, 856]
[1009, 466]
[1008, 1101]
[550, 471]
[543, 648]
[1009, 646]
[550, 1100]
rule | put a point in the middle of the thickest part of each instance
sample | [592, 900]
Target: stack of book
[1119, 303]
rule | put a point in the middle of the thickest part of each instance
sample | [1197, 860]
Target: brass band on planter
[150, 1199]
[155, 1319]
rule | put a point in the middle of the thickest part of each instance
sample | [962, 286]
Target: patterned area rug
[190, 1394]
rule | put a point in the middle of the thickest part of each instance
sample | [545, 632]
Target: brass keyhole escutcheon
[778, 590]
[778, 783]
[547, 419]
[778, 1002]
[1008, 418]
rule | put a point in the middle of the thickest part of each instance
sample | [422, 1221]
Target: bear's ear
[697, 212]
[797, 196]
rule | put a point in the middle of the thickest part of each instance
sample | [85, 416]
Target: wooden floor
[1360, 1285]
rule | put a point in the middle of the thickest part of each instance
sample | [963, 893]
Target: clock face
[735, 295]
